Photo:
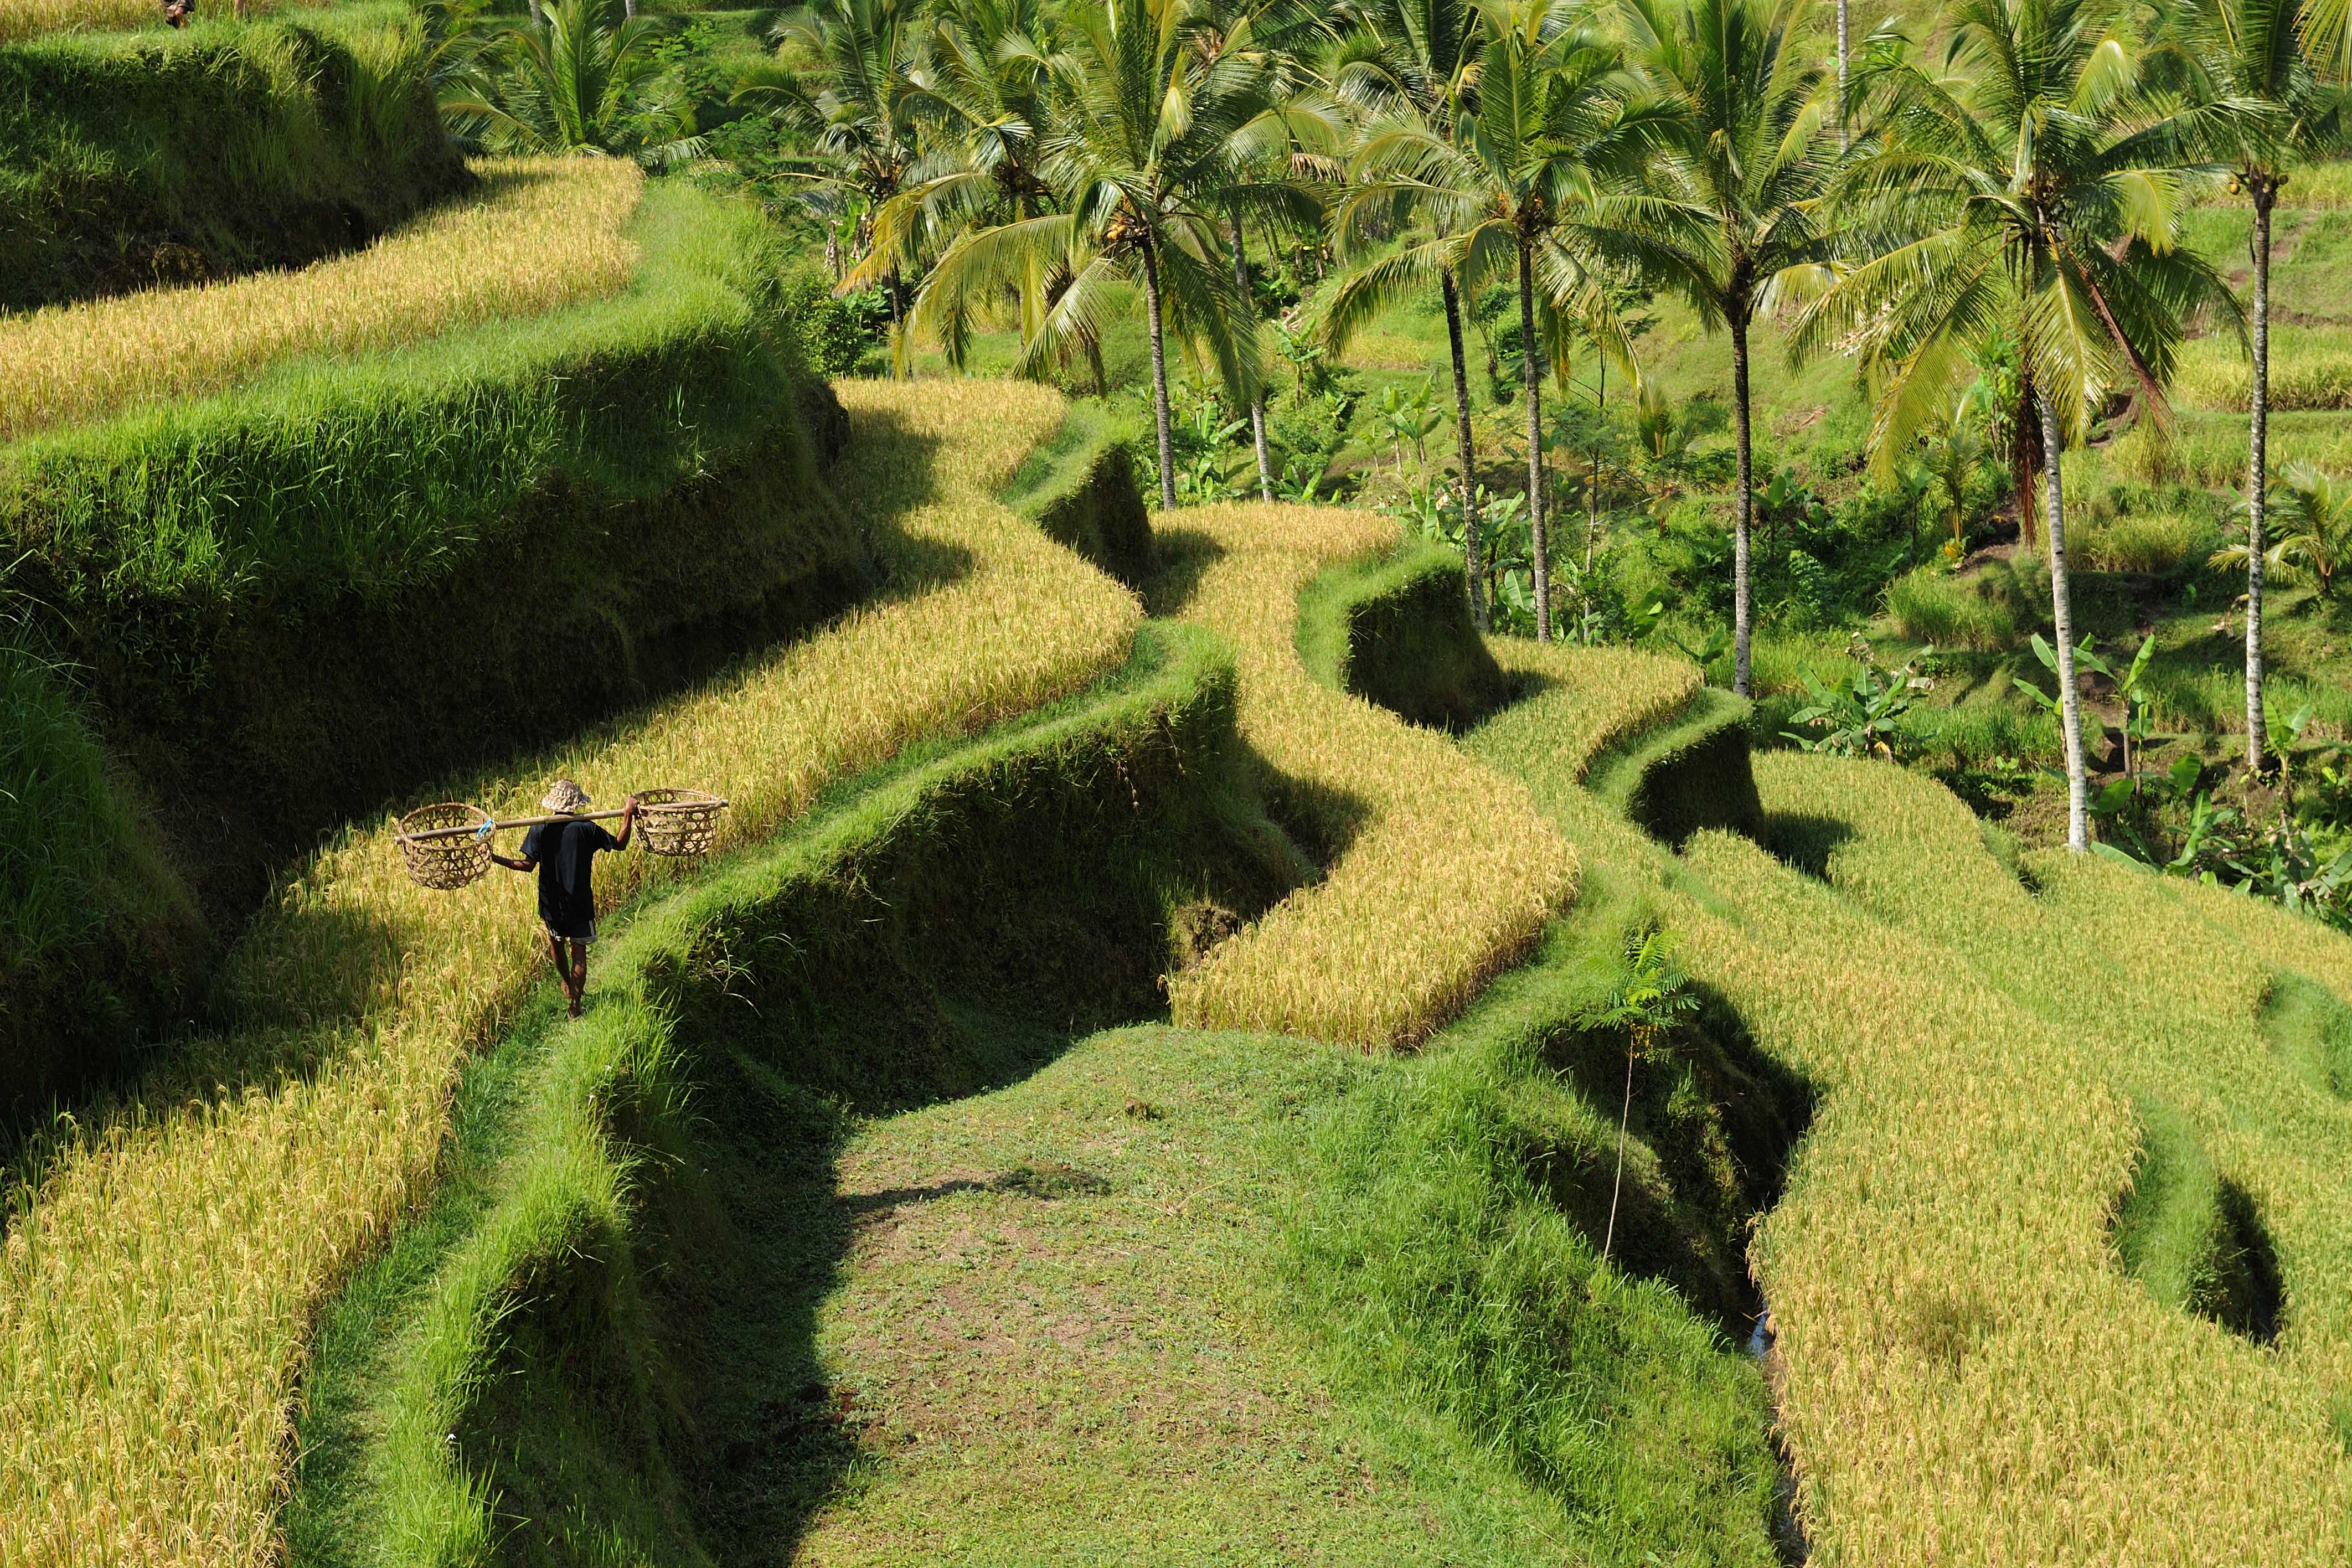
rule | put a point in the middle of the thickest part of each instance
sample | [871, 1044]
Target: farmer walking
[562, 854]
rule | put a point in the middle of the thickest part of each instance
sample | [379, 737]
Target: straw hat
[565, 796]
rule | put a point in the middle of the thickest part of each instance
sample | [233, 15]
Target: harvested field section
[1945, 1258]
[163, 1265]
[1440, 871]
[539, 234]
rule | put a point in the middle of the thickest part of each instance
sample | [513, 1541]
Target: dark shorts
[586, 932]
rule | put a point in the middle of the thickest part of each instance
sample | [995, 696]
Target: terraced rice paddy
[1948, 1297]
[1447, 876]
[539, 234]
[165, 1258]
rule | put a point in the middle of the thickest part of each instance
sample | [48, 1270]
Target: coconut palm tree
[2255, 50]
[1417, 57]
[984, 69]
[2040, 201]
[1145, 134]
[570, 79]
[866, 120]
[1746, 166]
[1296, 138]
[1527, 188]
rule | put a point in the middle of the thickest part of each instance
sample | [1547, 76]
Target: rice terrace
[1175, 782]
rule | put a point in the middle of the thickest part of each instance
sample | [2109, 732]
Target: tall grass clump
[2310, 369]
[167, 1259]
[1932, 605]
[129, 160]
[537, 235]
[1441, 873]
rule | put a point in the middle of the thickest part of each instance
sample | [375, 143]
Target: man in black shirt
[563, 854]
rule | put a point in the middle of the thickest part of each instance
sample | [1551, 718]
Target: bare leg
[578, 977]
[555, 952]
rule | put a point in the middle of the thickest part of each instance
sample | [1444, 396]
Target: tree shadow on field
[1185, 556]
[1803, 842]
[289, 1009]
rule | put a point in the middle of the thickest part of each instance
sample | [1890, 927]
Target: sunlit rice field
[1970, 1374]
[537, 234]
[1450, 873]
[162, 1262]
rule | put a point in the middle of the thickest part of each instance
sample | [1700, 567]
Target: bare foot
[575, 1007]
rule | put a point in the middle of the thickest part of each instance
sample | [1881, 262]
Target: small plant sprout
[1649, 995]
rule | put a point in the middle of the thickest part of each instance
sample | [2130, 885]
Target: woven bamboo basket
[449, 863]
[679, 821]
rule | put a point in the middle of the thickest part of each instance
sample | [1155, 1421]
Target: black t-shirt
[564, 851]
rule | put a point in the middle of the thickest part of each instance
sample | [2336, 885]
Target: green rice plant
[133, 160]
[1426, 842]
[165, 1261]
[1931, 605]
[537, 235]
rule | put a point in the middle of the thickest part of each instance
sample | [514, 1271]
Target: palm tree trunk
[1843, 143]
[1094, 359]
[1159, 377]
[1743, 502]
[1474, 571]
[2062, 616]
[1257, 399]
[1534, 378]
[2258, 400]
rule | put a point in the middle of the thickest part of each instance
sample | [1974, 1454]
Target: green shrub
[1398, 633]
[297, 599]
[840, 334]
[1932, 605]
[132, 159]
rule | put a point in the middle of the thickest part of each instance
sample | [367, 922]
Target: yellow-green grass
[539, 234]
[165, 1260]
[1448, 875]
[1969, 1374]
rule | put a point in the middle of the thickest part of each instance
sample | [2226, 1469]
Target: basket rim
[679, 799]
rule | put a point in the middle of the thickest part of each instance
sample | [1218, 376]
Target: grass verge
[1397, 633]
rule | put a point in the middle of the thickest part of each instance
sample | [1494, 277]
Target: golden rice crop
[1970, 1375]
[539, 234]
[1451, 873]
[159, 1279]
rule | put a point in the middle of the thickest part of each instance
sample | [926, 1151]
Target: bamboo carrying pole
[497, 825]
